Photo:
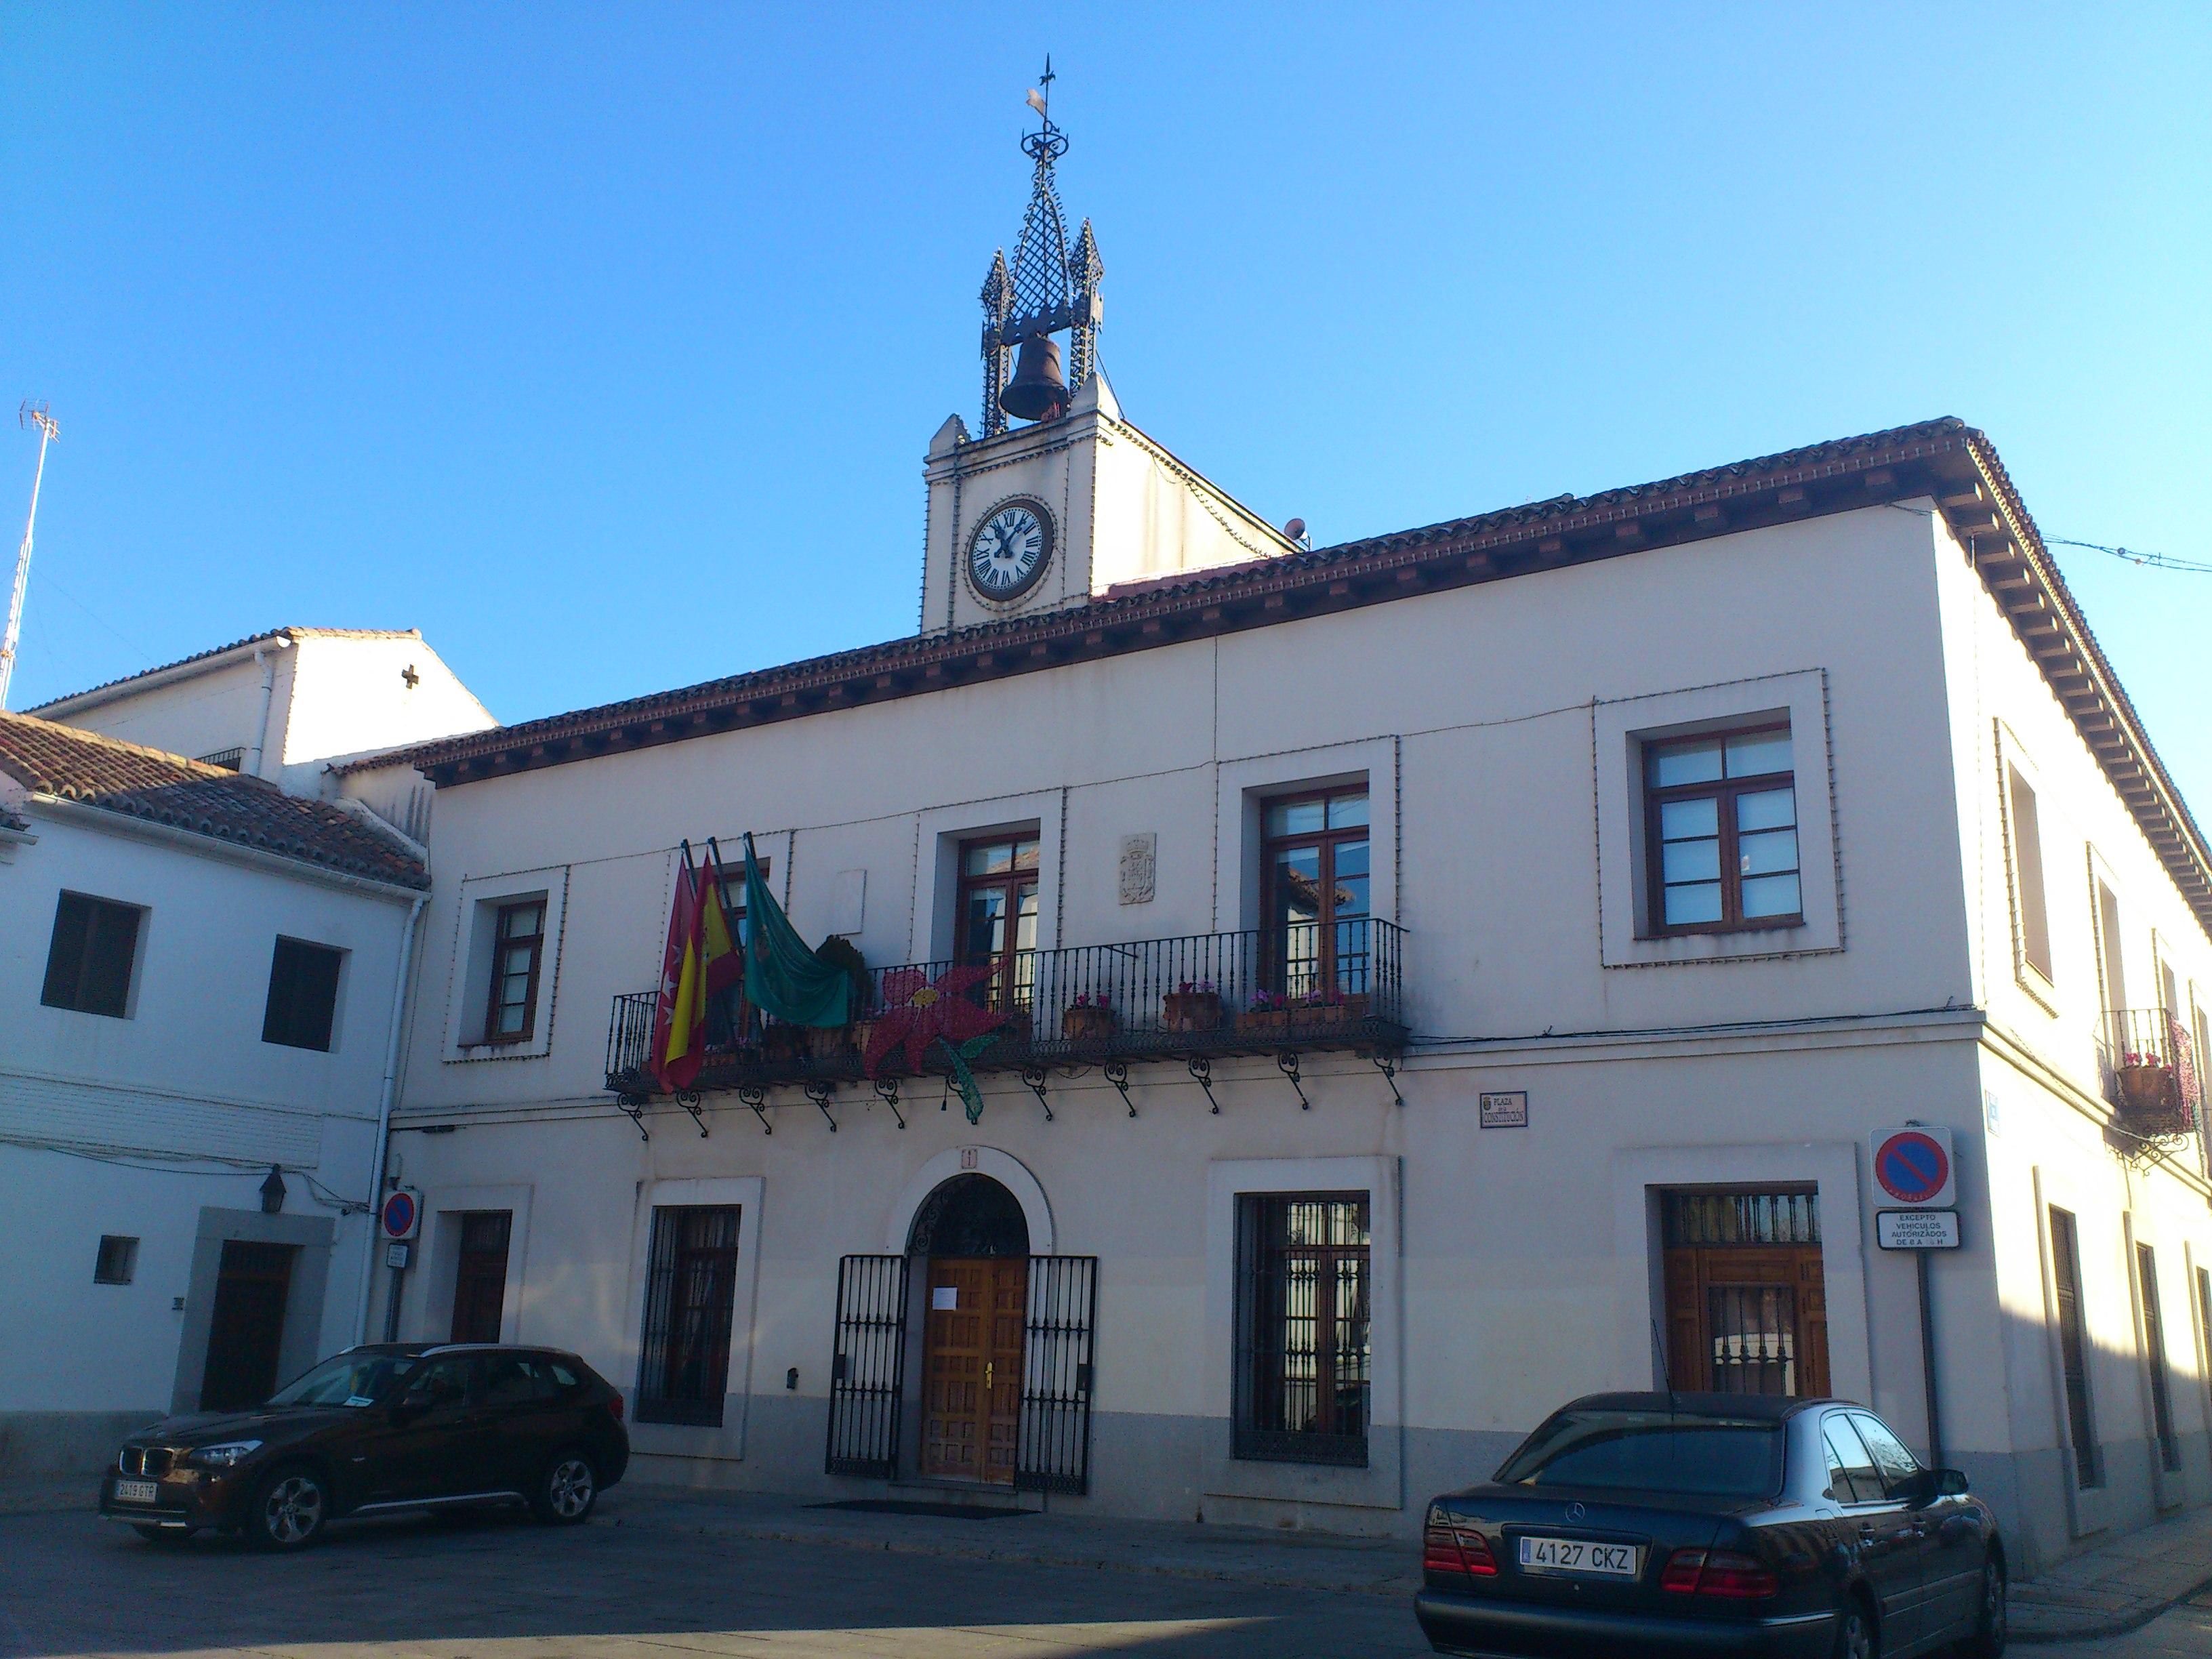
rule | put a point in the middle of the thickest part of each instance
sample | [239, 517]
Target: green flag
[783, 977]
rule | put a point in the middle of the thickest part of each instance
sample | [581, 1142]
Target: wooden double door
[972, 1367]
[246, 1331]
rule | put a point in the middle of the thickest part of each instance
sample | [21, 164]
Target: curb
[2111, 1627]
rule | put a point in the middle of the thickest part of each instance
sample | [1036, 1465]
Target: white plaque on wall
[1139, 868]
[1503, 1111]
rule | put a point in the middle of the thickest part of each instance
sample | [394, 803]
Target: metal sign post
[1913, 1165]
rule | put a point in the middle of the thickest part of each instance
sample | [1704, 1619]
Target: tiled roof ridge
[294, 633]
[133, 780]
[910, 650]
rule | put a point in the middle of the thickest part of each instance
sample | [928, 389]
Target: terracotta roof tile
[186, 794]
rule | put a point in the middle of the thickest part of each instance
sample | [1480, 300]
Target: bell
[1037, 392]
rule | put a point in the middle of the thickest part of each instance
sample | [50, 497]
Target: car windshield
[1652, 1451]
[346, 1379]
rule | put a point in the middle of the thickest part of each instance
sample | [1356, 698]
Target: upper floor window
[518, 947]
[91, 955]
[1721, 814]
[998, 915]
[2111, 953]
[1315, 892]
[2027, 876]
[303, 995]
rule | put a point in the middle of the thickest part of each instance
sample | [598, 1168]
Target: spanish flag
[701, 958]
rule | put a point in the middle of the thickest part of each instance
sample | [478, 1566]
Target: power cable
[2154, 561]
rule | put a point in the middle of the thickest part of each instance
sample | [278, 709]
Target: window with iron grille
[1302, 1350]
[303, 995]
[90, 955]
[1720, 811]
[690, 1296]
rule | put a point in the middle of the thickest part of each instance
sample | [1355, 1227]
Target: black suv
[379, 1428]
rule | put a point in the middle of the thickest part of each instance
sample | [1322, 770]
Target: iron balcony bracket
[887, 1091]
[633, 1107]
[819, 1091]
[756, 1097]
[1034, 1076]
[1117, 1073]
[1389, 1067]
[688, 1100]
[1287, 1063]
[1201, 1069]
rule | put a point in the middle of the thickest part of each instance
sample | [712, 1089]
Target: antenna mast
[49, 429]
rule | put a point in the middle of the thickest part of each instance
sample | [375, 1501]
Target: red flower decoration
[918, 1010]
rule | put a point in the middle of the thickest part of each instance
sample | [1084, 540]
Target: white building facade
[198, 1032]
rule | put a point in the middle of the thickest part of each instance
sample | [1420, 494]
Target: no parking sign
[1913, 1168]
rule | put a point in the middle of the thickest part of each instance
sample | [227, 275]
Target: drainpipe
[267, 659]
[384, 1114]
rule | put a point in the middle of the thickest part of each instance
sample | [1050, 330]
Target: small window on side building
[303, 995]
[91, 955]
[1721, 818]
[117, 1261]
[2027, 877]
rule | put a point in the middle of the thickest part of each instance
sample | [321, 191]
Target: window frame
[2156, 1362]
[501, 909]
[1723, 791]
[1009, 989]
[1255, 1381]
[329, 1017]
[102, 1273]
[1326, 972]
[96, 906]
[2076, 1400]
[2029, 871]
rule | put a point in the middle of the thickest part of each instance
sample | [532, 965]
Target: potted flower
[1268, 1014]
[1331, 1007]
[1193, 1006]
[2150, 1095]
[1089, 1018]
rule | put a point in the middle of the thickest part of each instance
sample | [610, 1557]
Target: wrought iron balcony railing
[2148, 1068]
[1307, 987]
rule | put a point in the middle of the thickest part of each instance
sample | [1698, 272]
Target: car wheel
[1856, 1635]
[288, 1510]
[1988, 1640]
[153, 1535]
[565, 1496]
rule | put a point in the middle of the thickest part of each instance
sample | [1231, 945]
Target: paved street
[634, 1583]
[2185, 1632]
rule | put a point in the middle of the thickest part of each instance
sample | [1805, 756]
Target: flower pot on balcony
[2150, 1100]
[1088, 1022]
[1191, 1010]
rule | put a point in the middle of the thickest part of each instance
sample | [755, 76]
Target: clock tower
[1059, 498]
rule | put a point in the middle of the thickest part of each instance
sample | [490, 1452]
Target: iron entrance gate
[867, 1372]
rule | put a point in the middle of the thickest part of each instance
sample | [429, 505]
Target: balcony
[1197, 999]
[2148, 1065]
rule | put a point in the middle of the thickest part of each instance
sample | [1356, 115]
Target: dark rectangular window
[2027, 877]
[1314, 893]
[2073, 1345]
[90, 959]
[2161, 1401]
[690, 1297]
[2109, 940]
[1720, 814]
[1303, 1355]
[2205, 1316]
[518, 946]
[998, 916]
[303, 994]
[117, 1261]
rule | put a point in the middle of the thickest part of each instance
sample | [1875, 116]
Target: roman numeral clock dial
[1010, 550]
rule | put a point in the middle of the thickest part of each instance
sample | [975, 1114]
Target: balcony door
[999, 917]
[1316, 893]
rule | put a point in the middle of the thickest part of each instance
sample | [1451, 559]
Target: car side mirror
[1950, 1483]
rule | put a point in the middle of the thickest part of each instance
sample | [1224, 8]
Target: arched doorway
[974, 1243]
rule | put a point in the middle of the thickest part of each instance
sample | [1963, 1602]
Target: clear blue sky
[603, 343]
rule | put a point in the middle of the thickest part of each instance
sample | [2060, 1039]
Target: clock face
[1010, 550]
